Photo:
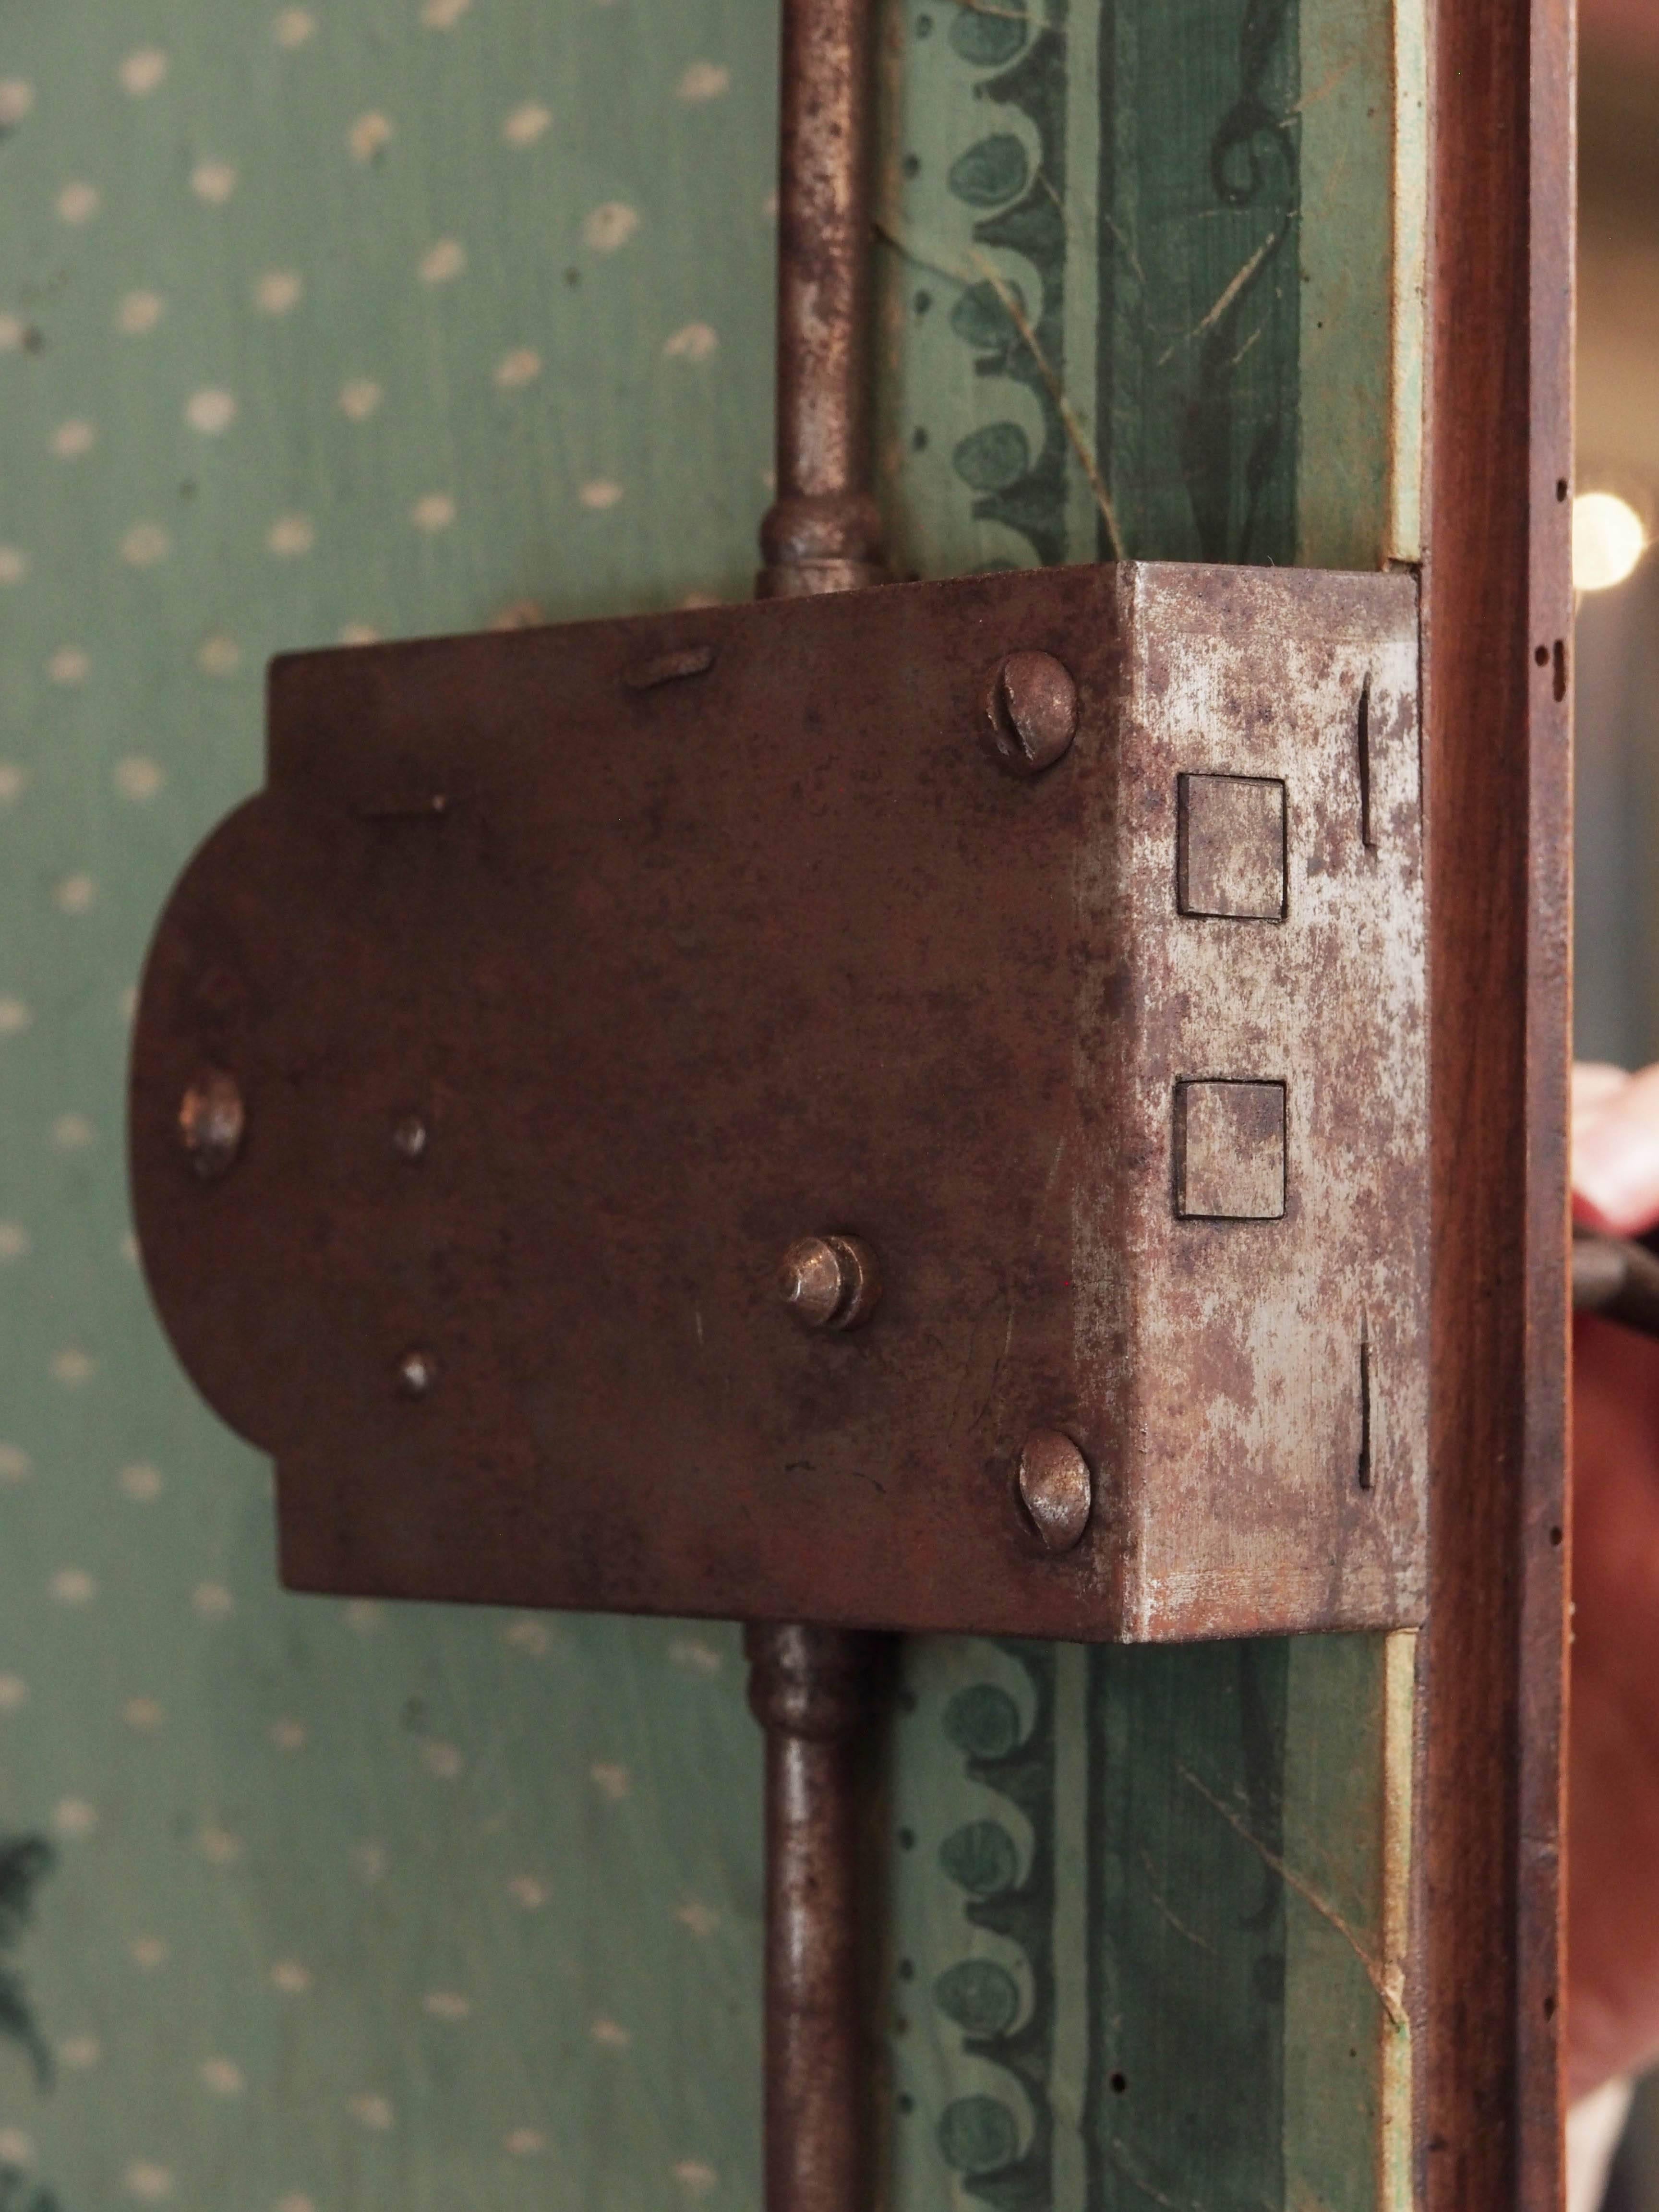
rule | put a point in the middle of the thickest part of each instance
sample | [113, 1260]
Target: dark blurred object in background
[1616, 685]
[1633, 2182]
[1616, 835]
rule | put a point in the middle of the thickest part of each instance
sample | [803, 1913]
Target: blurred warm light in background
[1608, 539]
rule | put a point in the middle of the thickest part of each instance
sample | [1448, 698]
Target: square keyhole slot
[1230, 846]
[1230, 1150]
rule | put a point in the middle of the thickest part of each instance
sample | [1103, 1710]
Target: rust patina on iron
[683, 972]
[823, 532]
[822, 535]
[814, 1690]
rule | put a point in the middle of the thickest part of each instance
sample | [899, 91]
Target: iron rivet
[416, 1373]
[1057, 1488]
[1031, 709]
[212, 1123]
[409, 1136]
[830, 1282]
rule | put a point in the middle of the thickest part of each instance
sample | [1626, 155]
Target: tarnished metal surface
[1230, 847]
[824, 531]
[810, 1690]
[820, 535]
[1229, 1352]
[1030, 711]
[830, 1282]
[1230, 1150]
[1057, 1488]
[669, 973]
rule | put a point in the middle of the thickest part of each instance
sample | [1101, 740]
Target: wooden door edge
[1487, 1977]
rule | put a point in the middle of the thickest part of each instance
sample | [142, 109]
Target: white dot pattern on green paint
[331, 323]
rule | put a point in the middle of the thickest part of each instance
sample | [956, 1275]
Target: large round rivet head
[830, 1282]
[1031, 706]
[211, 1120]
[1057, 1488]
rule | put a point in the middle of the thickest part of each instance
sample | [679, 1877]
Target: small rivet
[409, 1136]
[830, 1282]
[211, 1121]
[416, 1373]
[1057, 1488]
[1031, 709]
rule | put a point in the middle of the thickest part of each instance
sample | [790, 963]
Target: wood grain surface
[1497, 599]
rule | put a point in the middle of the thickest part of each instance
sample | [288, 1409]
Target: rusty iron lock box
[561, 987]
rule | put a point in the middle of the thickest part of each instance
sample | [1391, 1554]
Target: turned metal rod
[809, 1689]
[809, 1685]
[823, 532]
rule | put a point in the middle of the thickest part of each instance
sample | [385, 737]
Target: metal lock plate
[559, 982]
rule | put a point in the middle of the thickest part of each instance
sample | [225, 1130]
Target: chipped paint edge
[1394, 2134]
[1411, 230]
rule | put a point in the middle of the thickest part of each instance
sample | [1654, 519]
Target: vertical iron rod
[823, 533]
[808, 1686]
[809, 1689]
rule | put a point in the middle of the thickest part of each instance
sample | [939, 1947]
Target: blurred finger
[1615, 1153]
[1596, 1084]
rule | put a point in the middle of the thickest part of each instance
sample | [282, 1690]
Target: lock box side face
[560, 984]
[1270, 1193]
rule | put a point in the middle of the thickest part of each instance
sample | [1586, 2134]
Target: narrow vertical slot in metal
[1364, 1468]
[1367, 837]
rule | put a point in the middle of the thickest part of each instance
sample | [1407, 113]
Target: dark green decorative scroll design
[1199, 332]
[1198, 341]
[980, 2135]
[1010, 336]
[1253, 165]
[1186, 1942]
[25, 1862]
[1193, 220]
[19, 2193]
[1183, 1844]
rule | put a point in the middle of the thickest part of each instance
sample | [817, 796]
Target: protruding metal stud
[1030, 708]
[416, 1373]
[830, 1282]
[212, 1123]
[409, 1137]
[1057, 1488]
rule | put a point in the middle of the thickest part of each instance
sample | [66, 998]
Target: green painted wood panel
[1139, 296]
[379, 316]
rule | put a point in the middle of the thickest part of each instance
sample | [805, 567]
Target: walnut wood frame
[1497, 623]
